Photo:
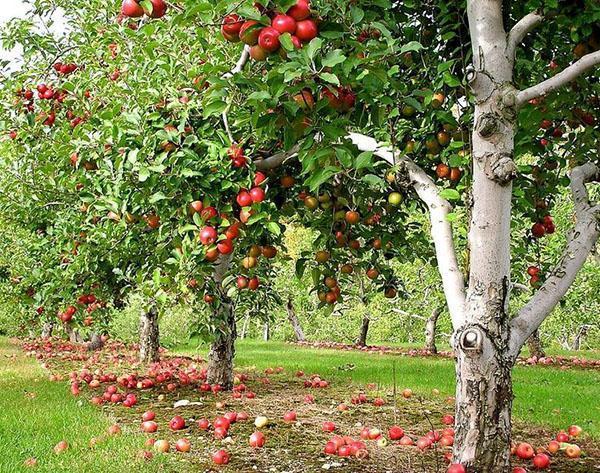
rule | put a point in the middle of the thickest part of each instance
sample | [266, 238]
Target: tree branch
[520, 30]
[561, 79]
[239, 66]
[277, 159]
[580, 244]
[441, 229]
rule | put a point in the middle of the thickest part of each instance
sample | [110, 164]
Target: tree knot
[499, 167]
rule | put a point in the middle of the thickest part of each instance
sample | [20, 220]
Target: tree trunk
[364, 331]
[431, 329]
[580, 336]
[73, 334]
[95, 342]
[149, 336]
[47, 329]
[293, 318]
[481, 342]
[222, 350]
[535, 345]
[245, 326]
[266, 332]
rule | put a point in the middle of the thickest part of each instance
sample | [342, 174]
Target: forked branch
[580, 245]
[518, 33]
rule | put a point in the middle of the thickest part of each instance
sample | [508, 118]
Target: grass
[36, 414]
[545, 396]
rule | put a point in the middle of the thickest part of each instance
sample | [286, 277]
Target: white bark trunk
[47, 329]
[431, 329]
[222, 350]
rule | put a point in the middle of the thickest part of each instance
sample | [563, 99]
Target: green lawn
[36, 414]
[543, 395]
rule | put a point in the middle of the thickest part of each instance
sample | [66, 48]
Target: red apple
[220, 457]
[457, 468]
[232, 24]
[149, 427]
[284, 24]
[244, 199]
[159, 8]
[257, 440]
[208, 235]
[148, 415]
[225, 247]
[573, 451]
[525, 451]
[575, 431]
[328, 426]
[306, 30]
[257, 194]
[177, 423]
[541, 461]
[395, 433]
[300, 11]
[131, 9]
[249, 32]
[268, 39]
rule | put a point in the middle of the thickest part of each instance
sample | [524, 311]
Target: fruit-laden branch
[239, 66]
[277, 159]
[580, 245]
[561, 79]
[441, 228]
[517, 34]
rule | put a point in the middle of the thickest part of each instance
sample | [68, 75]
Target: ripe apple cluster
[265, 39]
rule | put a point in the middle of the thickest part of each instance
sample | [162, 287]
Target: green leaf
[274, 228]
[364, 160]
[450, 194]
[333, 58]
[214, 108]
[331, 78]
[413, 46]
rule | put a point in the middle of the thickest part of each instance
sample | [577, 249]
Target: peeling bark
[73, 334]
[222, 350]
[293, 319]
[149, 336]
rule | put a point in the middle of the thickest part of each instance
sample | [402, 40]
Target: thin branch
[516, 36]
[580, 245]
[239, 66]
[441, 228]
[277, 159]
[561, 79]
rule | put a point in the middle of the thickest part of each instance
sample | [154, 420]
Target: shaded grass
[545, 396]
[36, 414]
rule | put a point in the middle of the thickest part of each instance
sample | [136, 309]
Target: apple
[406, 441]
[162, 446]
[257, 194]
[149, 427]
[183, 445]
[257, 440]
[131, 9]
[553, 446]
[299, 11]
[424, 443]
[306, 30]
[573, 451]
[231, 25]
[395, 198]
[203, 424]
[538, 230]
[208, 235]
[289, 416]
[242, 282]
[330, 448]
[268, 39]
[442, 171]
[260, 421]
[114, 429]
[61, 446]
[575, 431]
[284, 24]
[562, 437]
[249, 32]
[456, 468]
[395, 433]
[518, 469]
[159, 8]
[225, 247]
[541, 461]
[525, 451]
[259, 178]
[177, 423]
[328, 426]
[220, 457]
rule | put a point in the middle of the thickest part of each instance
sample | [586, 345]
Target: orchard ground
[38, 413]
